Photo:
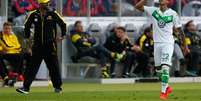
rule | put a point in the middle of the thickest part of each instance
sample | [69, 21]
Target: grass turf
[107, 92]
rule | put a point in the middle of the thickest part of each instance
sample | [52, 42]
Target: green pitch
[107, 92]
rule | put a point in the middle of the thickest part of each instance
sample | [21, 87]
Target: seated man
[118, 42]
[194, 43]
[10, 50]
[85, 45]
[146, 43]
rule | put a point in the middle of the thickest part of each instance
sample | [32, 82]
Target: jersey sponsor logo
[162, 20]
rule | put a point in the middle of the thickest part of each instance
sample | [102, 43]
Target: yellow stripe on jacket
[142, 39]
[75, 38]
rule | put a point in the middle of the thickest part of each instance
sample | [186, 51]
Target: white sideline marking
[34, 84]
[185, 80]
[119, 81]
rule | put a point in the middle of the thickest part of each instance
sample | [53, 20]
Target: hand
[185, 50]
[29, 51]
[3, 52]
[59, 39]
[123, 53]
[136, 48]
[85, 40]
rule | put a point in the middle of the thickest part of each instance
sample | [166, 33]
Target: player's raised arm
[140, 5]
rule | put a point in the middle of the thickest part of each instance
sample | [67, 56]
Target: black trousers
[127, 61]
[15, 61]
[3, 69]
[194, 59]
[142, 60]
[48, 53]
[98, 52]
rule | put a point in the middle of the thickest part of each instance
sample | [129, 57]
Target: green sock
[164, 78]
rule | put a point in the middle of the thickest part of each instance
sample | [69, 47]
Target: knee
[129, 54]
[165, 68]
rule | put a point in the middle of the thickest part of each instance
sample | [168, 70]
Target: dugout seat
[95, 31]
[199, 29]
[70, 28]
[109, 28]
[131, 31]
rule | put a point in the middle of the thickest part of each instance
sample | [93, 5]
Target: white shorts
[163, 53]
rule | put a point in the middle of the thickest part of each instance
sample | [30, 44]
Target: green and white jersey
[163, 23]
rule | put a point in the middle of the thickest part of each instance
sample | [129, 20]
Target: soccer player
[163, 20]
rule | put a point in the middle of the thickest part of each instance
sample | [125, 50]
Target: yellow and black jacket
[82, 40]
[45, 28]
[9, 43]
[146, 44]
[114, 44]
[192, 40]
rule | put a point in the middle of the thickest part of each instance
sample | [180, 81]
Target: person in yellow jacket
[145, 41]
[10, 50]
[193, 40]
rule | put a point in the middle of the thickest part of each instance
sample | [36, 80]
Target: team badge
[146, 44]
[161, 23]
[36, 20]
